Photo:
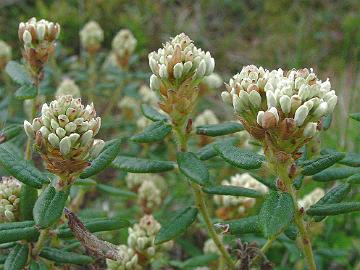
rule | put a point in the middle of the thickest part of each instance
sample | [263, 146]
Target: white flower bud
[53, 140]
[178, 69]
[187, 67]
[29, 129]
[310, 129]
[154, 82]
[200, 71]
[295, 102]
[237, 104]
[226, 97]
[44, 131]
[244, 99]
[259, 117]
[163, 72]
[97, 147]
[60, 132]
[54, 124]
[86, 137]
[40, 31]
[285, 104]
[210, 65]
[255, 98]
[65, 145]
[321, 110]
[300, 115]
[331, 104]
[304, 91]
[27, 37]
[153, 65]
[270, 99]
[274, 111]
[74, 137]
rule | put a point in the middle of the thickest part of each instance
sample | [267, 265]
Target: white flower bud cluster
[213, 81]
[68, 87]
[266, 99]
[5, 54]
[142, 236]
[124, 43]
[241, 203]
[148, 96]
[66, 129]
[91, 36]
[311, 198]
[129, 260]
[128, 103]
[210, 247]
[9, 199]
[149, 196]
[207, 117]
[135, 180]
[33, 32]
[178, 60]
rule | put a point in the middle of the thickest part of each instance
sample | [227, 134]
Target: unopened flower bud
[40, 31]
[154, 83]
[65, 145]
[321, 110]
[178, 68]
[255, 98]
[310, 129]
[285, 104]
[300, 115]
[27, 37]
[29, 129]
[226, 97]
[97, 147]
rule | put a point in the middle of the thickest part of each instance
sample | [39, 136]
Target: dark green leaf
[291, 232]
[176, 226]
[152, 114]
[240, 158]
[313, 166]
[335, 195]
[193, 168]
[96, 225]
[153, 133]
[49, 206]
[276, 213]
[26, 92]
[208, 150]
[355, 116]
[354, 179]
[61, 256]
[351, 159]
[326, 123]
[21, 169]
[116, 191]
[16, 260]
[233, 191]
[86, 182]
[242, 226]
[28, 196]
[38, 265]
[333, 174]
[141, 165]
[333, 209]
[10, 132]
[17, 72]
[298, 181]
[14, 231]
[104, 159]
[219, 129]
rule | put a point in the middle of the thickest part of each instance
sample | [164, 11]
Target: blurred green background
[323, 34]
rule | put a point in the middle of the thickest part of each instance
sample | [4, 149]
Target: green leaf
[21, 169]
[270, 183]
[96, 225]
[17, 72]
[49, 206]
[333, 174]
[208, 150]
[153, 133]
[116, 191]
[10, 132]
[16, 260]
[61, 256]
[354, 179]
[141, 165]
[233, 191]
[355, 116]
[152, 114]
[291, 232]
[26, 91]
[335, 195]
[219, 129]
[313, 166]
[297, 183]
[240, 158]
[86, 182]
[333, 209]
[276, 213]
[351, 159]
[193, 168]
[201, 260]
[14, 231]
[104, 159]
[38, 265]
[242, 226]
[176, 226]
[28, 197]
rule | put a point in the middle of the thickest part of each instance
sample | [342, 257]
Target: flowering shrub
[171, 184]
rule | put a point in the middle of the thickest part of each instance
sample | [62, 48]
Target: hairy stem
[200, 203]
[40, 242]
